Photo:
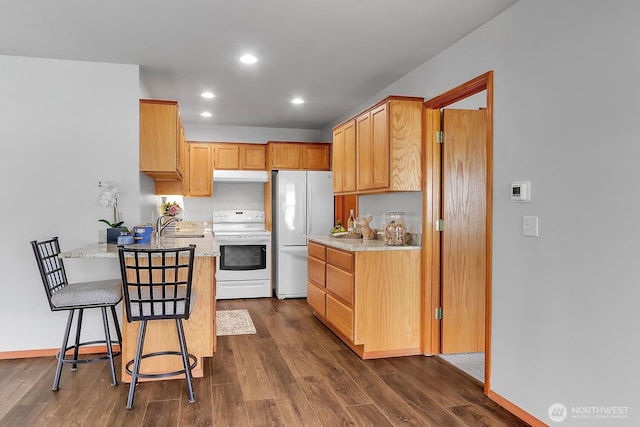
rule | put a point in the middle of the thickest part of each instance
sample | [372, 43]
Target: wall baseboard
[45, 352]
[516, 410]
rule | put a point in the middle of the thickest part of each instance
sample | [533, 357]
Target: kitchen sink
[184, 236]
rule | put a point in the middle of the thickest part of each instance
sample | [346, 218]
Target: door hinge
[439, 313]
[440, 137]
[440, 225]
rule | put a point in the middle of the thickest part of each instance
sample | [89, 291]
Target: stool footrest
[92, 359]
[192, 359]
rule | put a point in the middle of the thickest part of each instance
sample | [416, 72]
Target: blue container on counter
[125, 239]
[142, 234]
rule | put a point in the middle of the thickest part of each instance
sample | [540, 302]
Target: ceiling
[335, 54]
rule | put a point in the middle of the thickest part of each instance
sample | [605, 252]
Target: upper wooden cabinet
[344, 158]
[162, 140]
[388, 144]
[198, 179]
[298, 155]
[239, 156]
[253, 156]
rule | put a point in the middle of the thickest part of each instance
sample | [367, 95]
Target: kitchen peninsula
[161, 335]
[367, 293]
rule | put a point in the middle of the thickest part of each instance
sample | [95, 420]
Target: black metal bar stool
[72, 297]
[157, 286]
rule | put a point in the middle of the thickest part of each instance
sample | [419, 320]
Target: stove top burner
[239, 224]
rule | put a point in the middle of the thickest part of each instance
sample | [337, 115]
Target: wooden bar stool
[77, 297]
[157, 286]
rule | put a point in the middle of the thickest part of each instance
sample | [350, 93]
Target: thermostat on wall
[521, 191]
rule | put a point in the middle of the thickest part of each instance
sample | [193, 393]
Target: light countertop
[205, 247]
[359, 245]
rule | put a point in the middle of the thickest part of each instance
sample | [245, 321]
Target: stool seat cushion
[100, 292]
[142, 306]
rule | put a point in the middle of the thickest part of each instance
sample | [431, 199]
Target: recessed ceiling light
[206, 114]
[248, 59]
[297, 101]
[207, 95]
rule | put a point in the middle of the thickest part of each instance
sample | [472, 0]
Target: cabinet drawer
[317, 250]
[316, 271]
[340, 316]
[340, 282]
[341, 259]
[316, 298]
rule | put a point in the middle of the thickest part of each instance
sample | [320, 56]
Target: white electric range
[243, 269]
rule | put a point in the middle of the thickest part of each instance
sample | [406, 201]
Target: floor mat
[471, 363]
[234, 322]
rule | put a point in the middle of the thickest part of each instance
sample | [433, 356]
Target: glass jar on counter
[395, 231]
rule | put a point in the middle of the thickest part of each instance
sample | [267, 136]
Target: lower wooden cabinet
[340, 315]
[370, 299]
[317, 298]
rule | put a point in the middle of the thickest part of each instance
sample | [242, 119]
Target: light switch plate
[530, 226]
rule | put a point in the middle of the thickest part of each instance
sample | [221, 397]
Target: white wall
[565, 316]
[64, 126]
[212, 133]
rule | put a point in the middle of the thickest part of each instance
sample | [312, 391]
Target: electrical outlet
[530, 226]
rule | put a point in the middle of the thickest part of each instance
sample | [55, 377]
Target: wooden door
[464, 238]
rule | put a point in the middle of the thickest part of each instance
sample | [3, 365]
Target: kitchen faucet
[160, 226]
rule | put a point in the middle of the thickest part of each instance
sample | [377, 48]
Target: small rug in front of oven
[234, 322]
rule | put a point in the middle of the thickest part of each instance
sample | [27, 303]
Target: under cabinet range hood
[240, 176]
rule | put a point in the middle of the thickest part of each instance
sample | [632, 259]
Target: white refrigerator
[302, 207]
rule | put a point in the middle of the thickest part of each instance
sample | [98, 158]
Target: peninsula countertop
[205, 247]
[359, 245]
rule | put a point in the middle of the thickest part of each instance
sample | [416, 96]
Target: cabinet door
[364, 147]
[316, 271]
[199, 180]
[253, 156]
[344, 158]
[285, 155]
[405, 145]
[316, 297]
[159, 147]
[181, 151]
[226, 156]
[340, 283]
[317, 250]
[379, 147]
[315, 157]
[338, 159]
[340, 315]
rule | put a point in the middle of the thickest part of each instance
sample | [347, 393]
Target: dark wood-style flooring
[292, 372]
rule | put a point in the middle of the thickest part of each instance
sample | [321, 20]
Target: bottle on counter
[351, 224]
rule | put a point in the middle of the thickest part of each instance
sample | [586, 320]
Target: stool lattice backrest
[51, 267]
[157, 282]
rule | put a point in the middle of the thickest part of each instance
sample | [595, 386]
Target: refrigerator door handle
[306, 208]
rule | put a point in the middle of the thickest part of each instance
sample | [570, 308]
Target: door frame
[431, 202]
